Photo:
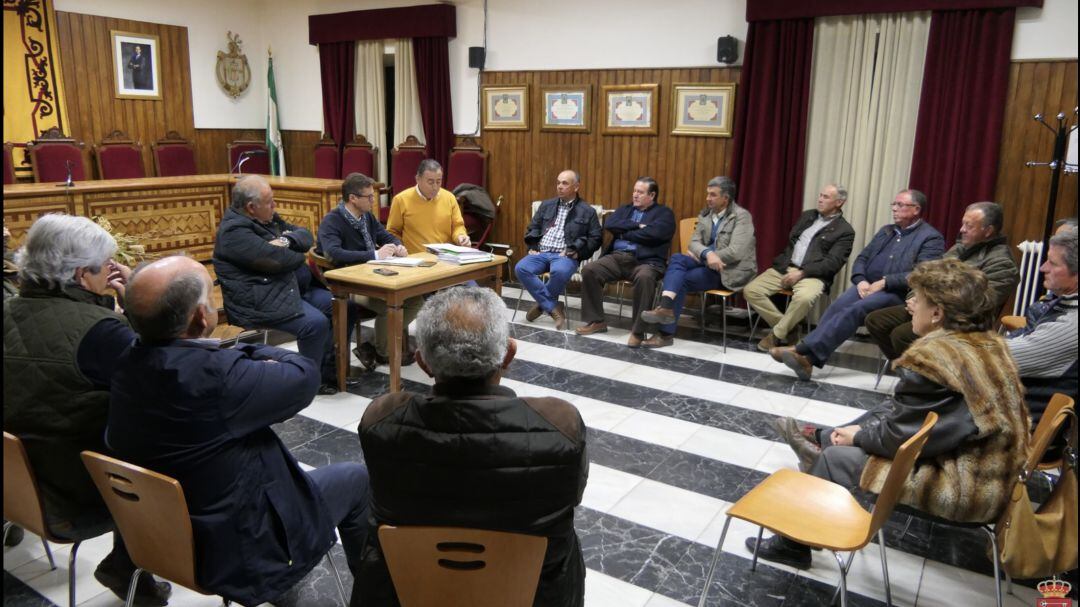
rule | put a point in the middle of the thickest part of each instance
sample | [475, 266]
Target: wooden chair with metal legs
[1012, 323]
[823, 514]
[457, 567]
[24, 507]
[152, 516]
[881, 371]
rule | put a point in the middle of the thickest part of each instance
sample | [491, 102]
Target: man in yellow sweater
[427, 213]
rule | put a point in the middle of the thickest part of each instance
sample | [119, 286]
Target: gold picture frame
[566, 107]
[136, 65]
[505, 108]
[630, 109]
[702, 109]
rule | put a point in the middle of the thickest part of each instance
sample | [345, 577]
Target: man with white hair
[472, 453]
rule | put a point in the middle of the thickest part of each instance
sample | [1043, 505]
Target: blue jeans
[346, 491]
[840, 322]
[530, 268]
[686, 275]
[314, 337]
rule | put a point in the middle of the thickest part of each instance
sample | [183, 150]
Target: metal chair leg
[48, 553]
[131, 588]
[723, 316]
[881, 371]
[704, 296]
[71, 574]
[907, 526]
[517, 304]
[997, 563]
[337, 578]
[757, 547]
[843, 578]
[884, 568]
[844, 568]
[715, 559]
[618, 293]
[7, 527]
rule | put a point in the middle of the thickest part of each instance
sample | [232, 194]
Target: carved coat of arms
[233, 72]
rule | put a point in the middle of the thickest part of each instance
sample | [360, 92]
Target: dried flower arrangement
[130, 250]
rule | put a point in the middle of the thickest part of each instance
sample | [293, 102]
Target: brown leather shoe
[769, 342]
[558, 314]
[658, 316]
[635, 340]
[593, 327]
[804, 448]
[777, 353]
[798, 363]
[533, 313]
[658, 340]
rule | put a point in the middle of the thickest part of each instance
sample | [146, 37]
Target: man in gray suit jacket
[722, 256]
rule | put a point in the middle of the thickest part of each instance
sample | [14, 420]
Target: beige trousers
[409, 311]
[805, 293]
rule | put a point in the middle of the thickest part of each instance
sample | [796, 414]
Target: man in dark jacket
[350, 235]
[260, 260]
[201, 414]
[878, 278]
[818, 246]
[431, 457]
[982, 246]
[641, 238]
[563, 232]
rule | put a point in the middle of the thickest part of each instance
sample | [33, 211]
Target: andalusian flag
[273, 130]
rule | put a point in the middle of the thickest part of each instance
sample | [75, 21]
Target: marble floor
[674, 437]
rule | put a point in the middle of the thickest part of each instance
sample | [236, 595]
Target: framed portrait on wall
[506, 107]
[703, 109]
[566, 108]
[136, 65]
[630, 109]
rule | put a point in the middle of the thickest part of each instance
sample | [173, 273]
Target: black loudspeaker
[476, 57]
[727, 49]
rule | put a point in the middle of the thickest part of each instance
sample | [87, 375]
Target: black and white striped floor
[675, 436]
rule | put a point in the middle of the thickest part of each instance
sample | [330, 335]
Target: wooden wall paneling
[211, 155]
[94, 110]
[1045, 87]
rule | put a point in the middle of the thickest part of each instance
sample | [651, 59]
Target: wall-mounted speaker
[727, 49]
[476, 57]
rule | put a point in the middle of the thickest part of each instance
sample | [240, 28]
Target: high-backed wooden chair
[173, 156]
[119, 157]
[52, 153]
[327, 159]
[359, 156]
[24, 507]
[404, 160]
[468, 164]
[823, 514]
[9, 163]
[152, 515]
[455, 567]
[256, 163]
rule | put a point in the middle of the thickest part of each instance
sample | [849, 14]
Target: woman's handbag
[1038, 543]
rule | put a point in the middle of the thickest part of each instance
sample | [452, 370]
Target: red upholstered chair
[360, 156]
[403, 162]
[50, 153]
[468, 164]
[327, 159]
[258, 163]
[118, 157]
[9, 163]
[173, 156]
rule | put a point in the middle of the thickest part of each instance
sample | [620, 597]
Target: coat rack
[1061, 137]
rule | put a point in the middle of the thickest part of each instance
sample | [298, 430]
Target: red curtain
[337, 67]
[432, 59]
[958, 135]
[768, 163]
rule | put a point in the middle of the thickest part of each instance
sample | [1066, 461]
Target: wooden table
[394, 290]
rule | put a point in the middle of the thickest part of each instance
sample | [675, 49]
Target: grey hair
[248, 189]
[1067, 241]
[993, 215]
[726, 185]
[427, 164]
[918, 198]
[462, 333]
[1067, 221]
[57, 245]
[841, 191]
[168, 317]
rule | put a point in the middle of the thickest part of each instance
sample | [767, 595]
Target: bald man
[188, 408]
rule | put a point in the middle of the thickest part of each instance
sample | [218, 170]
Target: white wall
[521, 35]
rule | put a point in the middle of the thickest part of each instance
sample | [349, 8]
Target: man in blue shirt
[642, 232]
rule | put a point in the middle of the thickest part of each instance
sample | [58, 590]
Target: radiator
[1030, 260]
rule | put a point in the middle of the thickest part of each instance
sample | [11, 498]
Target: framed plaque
[566, 108]
[630, 109]
[506, 107]
[703, 109]
[136, 65]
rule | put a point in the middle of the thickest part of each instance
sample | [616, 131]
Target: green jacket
[995, 259]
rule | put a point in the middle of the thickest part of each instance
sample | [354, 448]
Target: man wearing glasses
[350, 234]
[878, 278]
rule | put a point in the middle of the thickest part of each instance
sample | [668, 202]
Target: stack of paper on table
[397, 261]
[452, 253]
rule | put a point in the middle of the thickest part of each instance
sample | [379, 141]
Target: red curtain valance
[429, 20]
[771, 10]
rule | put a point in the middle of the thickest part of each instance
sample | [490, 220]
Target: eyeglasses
[897, 205]
[367, 196]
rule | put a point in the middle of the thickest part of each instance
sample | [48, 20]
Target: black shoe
[148, 592]
[327, 389]
[779, 549]
[14, 536]
[365, 352]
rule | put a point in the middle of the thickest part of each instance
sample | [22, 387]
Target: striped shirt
[1048, 346]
